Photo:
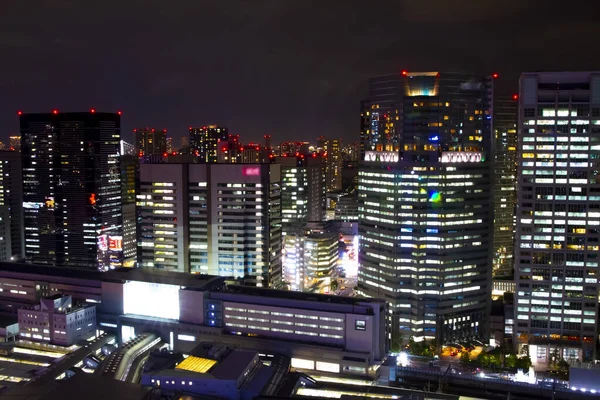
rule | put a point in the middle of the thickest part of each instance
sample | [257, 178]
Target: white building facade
[558, 216]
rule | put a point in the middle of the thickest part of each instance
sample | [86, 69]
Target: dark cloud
[295, 69]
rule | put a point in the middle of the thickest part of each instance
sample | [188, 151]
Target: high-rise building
[11, 206]
[217, 219]
[15, 143]
[294, 148]
[150, 141]
[72, 188]
[302, 190]
[130, 178]
[205, 142]
[558, 216]
[170, 145]
[425, 204]
[333, 163]
[505, 183]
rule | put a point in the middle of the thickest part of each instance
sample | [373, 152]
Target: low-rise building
[56, 321]
[345, 335]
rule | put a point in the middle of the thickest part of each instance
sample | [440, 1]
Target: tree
[563, 369]
[464, 357]
[511, 361]
[524, 363]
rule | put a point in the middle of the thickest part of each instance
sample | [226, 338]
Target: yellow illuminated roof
[196, 364]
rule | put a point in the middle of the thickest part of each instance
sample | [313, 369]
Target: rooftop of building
[265, 296]
[94, 386]
[234, 364]
[117, 275]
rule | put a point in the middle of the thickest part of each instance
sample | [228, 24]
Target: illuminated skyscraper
[72, 188]
[505, 184]
[558, 216]
[11, 206]
[333, 163]
[205, 142]
[425, 204]
[130, 178]
[150, 141]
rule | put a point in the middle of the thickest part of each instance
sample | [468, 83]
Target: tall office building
[505, 183]
[130, 178]
[170, 145]
[205, 142]
[425, 204]
[302, 190]
[150, 141]
[72, 188]
[333, 163]
[11, 206]
[15, 143]
[217, 219]
[558, 218]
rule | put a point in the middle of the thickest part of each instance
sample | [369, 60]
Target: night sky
[294, 69]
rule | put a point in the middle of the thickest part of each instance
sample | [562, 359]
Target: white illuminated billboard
[151, 299]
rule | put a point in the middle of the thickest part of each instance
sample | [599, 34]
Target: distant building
[12, 241]
[15, 143]
[332, 153]
[150, 141]
[169, 145]
[293, 149]
[72, 188]
[302, 189]
[56, 321]
[218, 219]
[205, 142]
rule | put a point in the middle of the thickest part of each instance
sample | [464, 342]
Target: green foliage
[523, 363]
[464, 357]
[424, 348]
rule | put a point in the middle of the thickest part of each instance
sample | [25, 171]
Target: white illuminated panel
[186, 338]
[382, 156]
[151, 299]
[302, 363]
[461, 156]
[328, 367]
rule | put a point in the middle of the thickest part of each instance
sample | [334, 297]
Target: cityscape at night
[294, 199]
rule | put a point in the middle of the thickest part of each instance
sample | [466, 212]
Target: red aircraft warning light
[515, 97]
[19, 112]
[92, 110]
[404, 72]
[119, 112]
[495, 75]
[54, 111]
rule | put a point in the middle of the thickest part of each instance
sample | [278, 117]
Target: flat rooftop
[233, 365]
[286, 294]
[152, 275]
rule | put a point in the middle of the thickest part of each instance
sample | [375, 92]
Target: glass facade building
[425, 203]
[558, 216]
[72, 189]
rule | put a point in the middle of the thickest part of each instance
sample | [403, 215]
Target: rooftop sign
[382, 156]
[461, 156]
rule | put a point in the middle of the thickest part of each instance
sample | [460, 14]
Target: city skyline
[252, 66]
